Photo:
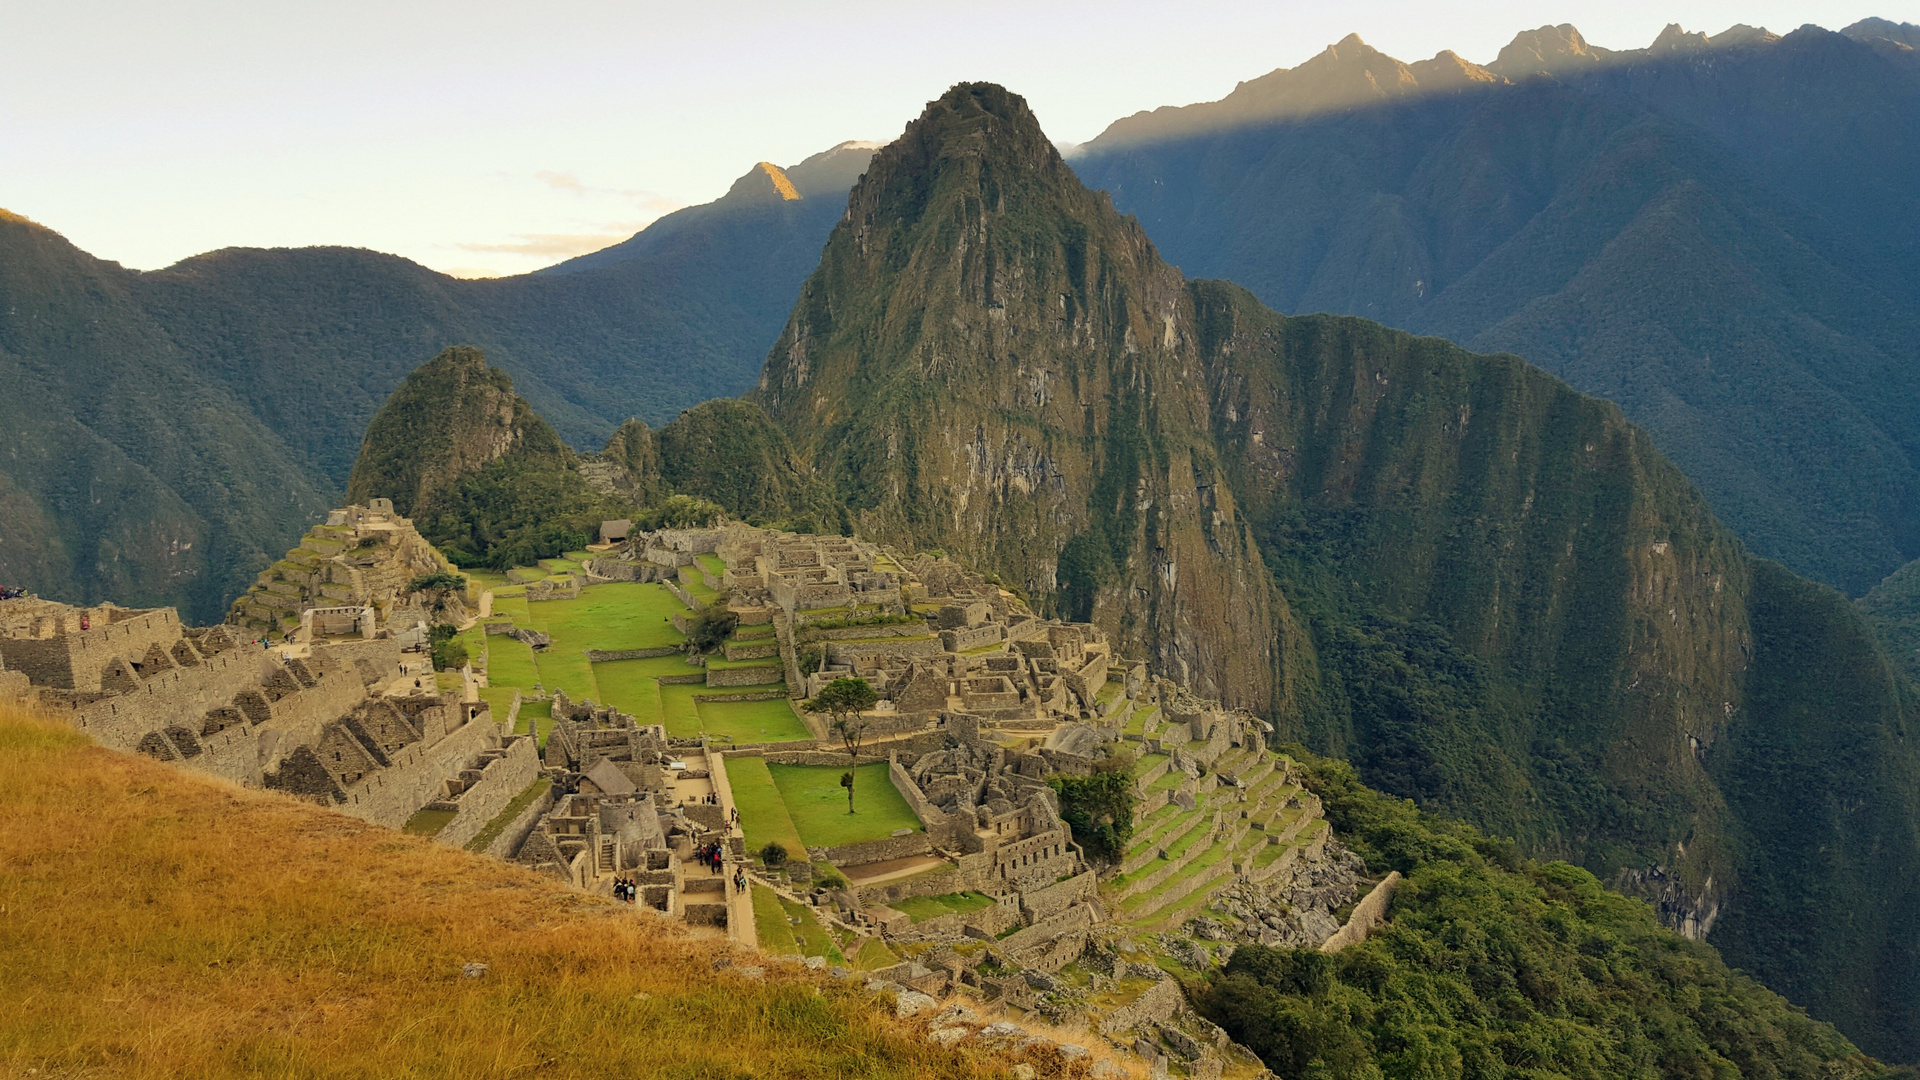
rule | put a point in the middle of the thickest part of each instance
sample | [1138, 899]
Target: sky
[486, 138]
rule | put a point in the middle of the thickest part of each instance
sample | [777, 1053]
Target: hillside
[1716, 234]
[1503, 965]
[178, 429]
[488, 479]
[174, 942]
[1490, 591]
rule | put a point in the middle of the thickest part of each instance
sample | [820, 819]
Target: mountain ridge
[1491, 591]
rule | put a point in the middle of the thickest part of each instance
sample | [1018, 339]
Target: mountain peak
[764, 183]
[1548, 50]
[1673, 39]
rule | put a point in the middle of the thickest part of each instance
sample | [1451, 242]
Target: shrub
[774, 855]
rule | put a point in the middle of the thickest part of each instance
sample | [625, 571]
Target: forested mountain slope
[171, 432]
[1491, 592]
[1718, 235]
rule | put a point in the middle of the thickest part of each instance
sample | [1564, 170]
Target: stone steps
[1184, 851]
[1200, 873]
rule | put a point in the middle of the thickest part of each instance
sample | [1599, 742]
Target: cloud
[556, 245]
[647, 201]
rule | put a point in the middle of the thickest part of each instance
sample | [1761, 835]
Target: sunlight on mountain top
[780, 182]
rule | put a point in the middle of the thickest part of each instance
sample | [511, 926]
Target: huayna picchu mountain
[1489, 591]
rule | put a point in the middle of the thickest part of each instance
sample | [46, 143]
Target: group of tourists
[625, 890]
[11, 592]
[713, 857]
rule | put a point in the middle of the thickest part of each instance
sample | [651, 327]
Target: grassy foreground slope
[153, 923]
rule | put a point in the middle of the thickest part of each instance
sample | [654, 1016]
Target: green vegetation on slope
[1491, 591]
[1494, 965]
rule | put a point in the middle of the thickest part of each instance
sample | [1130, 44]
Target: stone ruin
[349, 578]
[341, 723]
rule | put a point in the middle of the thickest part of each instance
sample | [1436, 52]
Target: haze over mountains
[1720, 234]
[171, 432]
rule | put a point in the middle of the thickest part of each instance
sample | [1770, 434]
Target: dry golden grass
[153, 923]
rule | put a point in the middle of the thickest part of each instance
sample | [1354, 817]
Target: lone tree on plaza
[846, 699]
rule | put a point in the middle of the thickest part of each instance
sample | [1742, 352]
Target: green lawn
[763, 814]
[429, 822]
[770, 923]
[753, 721]
[922, 908]
[818, 804]
[721, 663]
[712, 564]
[874, 955]
[812, 936]
[536, 718]
[632, 686]
[611, 615]
[510, 663]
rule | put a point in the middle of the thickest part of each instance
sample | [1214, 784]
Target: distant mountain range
[169, 433]
[1720, 234]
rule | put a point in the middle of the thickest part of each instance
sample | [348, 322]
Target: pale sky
[483, 137]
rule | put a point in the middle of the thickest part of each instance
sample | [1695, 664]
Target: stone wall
[1051, 900]
[417, 776]
[602, 655]
[743, 676]
[846, 652]
[507, 844]
[881, 850]
[76, 659]
[500, 780]
[1160, 1001]
[972, 637]
[382, 653]
[1368, 915]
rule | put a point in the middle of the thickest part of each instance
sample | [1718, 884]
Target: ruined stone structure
[349, 578]
[340, 724]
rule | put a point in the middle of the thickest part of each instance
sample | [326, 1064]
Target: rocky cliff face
[1489, 591]
[990, 360]
[452, 417]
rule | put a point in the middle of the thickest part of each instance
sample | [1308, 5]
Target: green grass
[611, 615]
[536, 718]
[719, 663]
[633, 686]
[763, 813]
[922, 908]
[429, 822]
[874, 955]
[507, 813]
[813, 937]
[712, 564]
[755, 632]
[770, 923]
[753, 721]
[499, 699]
[1169, 780]
[1146, 764]
[818, 804]
[510, 663]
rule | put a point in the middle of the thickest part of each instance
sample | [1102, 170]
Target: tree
[448, 651]
[437, 585]
[710, 627]
[847, 699]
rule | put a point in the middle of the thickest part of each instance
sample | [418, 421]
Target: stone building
[340, 724]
